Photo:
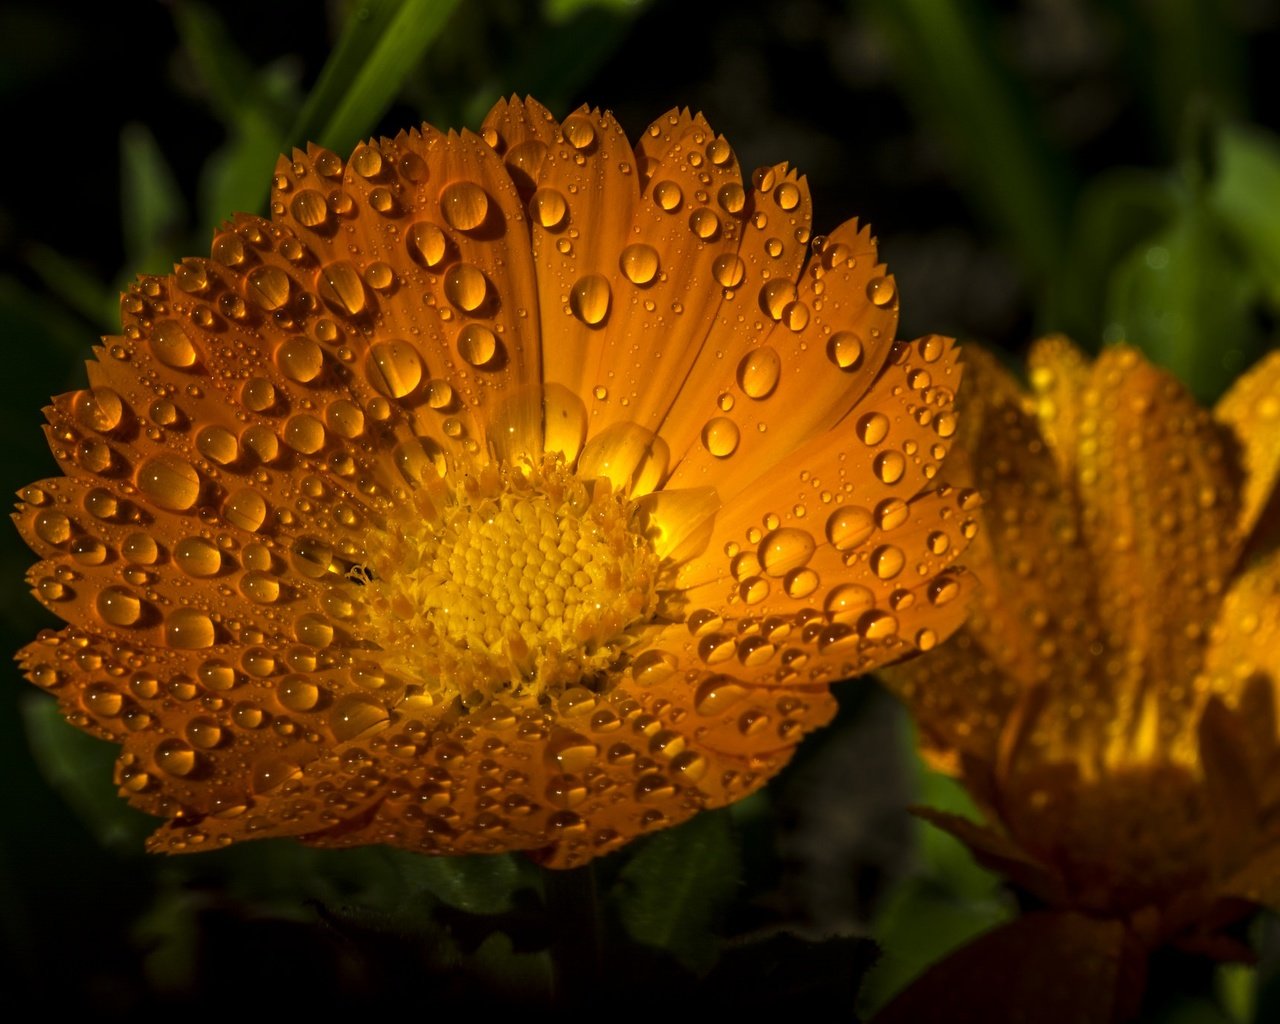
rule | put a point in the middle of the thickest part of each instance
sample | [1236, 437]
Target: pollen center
[520, 580]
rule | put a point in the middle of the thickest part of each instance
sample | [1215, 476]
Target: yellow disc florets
[520, 580]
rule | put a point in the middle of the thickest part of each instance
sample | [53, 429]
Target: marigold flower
[1111, 702]
[520, 490]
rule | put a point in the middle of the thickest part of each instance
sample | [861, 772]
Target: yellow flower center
[519, 579]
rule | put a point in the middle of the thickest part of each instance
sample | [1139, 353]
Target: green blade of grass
[380, 44]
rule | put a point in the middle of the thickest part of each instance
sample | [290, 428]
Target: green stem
[573, 909]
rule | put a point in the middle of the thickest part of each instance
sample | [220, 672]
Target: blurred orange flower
[521, 490]
[1111, 702]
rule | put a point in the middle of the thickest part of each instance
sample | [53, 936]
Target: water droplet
[758, 372]
[172, 345]
[589, 299]
[297, 693]
[477, 345]
[169, 482]
[763, 178]
[394, 368]
[354, 716]
[578, 131]
[197, 557]
[548, 208]
[639, 262]
[427, 243]
[873, 428]
[173, 757]
[887, 561]
[258, 393]
[943, 590]
[340, 286]
[119, 607]
[309, 208]
[314, 630]
[704, 223]
[729, 270]
[889, 467]
[877, 625]
[268, 287]
[800, 583]
[787, 196]
[845, 350]
[731, 198]
[881, 290]
[304, 434]
[140, 549]
[299, 359]
[218, 444]
[892, 513]
[246, 509]
[720, 437]
[439, 393]
[783, 550]
[227, 249]
[53, 527]
[188, 629]
[717, 694]
[367, 162]
[464, 205]
[465, 286]
[776, 296]
[668, 196]
[653, 667]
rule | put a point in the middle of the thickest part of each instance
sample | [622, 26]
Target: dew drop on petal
[427, 243]
[729, 270]
[340, 286]
[268, 287]
[172, 345]
[197, 557]
[309, 208]
[465, 286]
[849, 526]
[590, 298]
[188, 629]
[169, 482]
[873, 427]
[785, 549]
[889, 467]
[394, 368]
[639, 262]
[758, 372]
[299, 359]
[464, 205]
[720, 437]
[118, 606]
[845, 350]
[548, 207]
[881, 291]
[367, 162]
[477, 344]
[668, 196]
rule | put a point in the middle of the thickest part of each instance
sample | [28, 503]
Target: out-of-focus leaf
[563, 10]
[1237, 986]
[673, 889]
[380, 43]
[79, 767]
[478, 884]
[232, 83]
[80, 290]
[1245, 194]
[1186, 300]
[946, 58]
[1114, 213]
[236, 178]
[150, 202]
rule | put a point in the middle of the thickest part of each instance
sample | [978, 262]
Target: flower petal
[1251, 409]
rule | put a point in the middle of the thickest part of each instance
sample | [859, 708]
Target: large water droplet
[246, 509]
[172, 345]
[300, 359]
[309, 208]
[729, 270]
[589, 299]
[169, 482]
[268, 287]
[873, 427]
[367, 162]
[427, 243]
[783, 550]
[304, 434]
[119, 607]
[548, 208]
[667, 195]
[881, 291]
[188, 629]
[464, 205]
[890, 466]
[845, 350]
[465, 286]
[477, 345]
[394, 368]
[639, 262]
[758, 372]
[340, 286]
[354, 716]
[720, 437]
[218, 445]
[849, 527]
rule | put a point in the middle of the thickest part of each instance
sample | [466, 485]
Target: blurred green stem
[947, 62]
[573, 909]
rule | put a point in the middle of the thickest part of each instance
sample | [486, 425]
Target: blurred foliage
[1108, 168]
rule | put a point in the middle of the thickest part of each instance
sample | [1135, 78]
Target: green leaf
[478, 884]
[1185, 298]
[151, 203]
[81, 291]
[671, 893]
[79, 767]
[1245, 195]
[563, 10]
[949, 64]
[380, 44]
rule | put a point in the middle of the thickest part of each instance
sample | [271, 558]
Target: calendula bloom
[1111, 702]
[521, 490]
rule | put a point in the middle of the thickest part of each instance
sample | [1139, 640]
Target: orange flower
[514, 491]
[1111, 702]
